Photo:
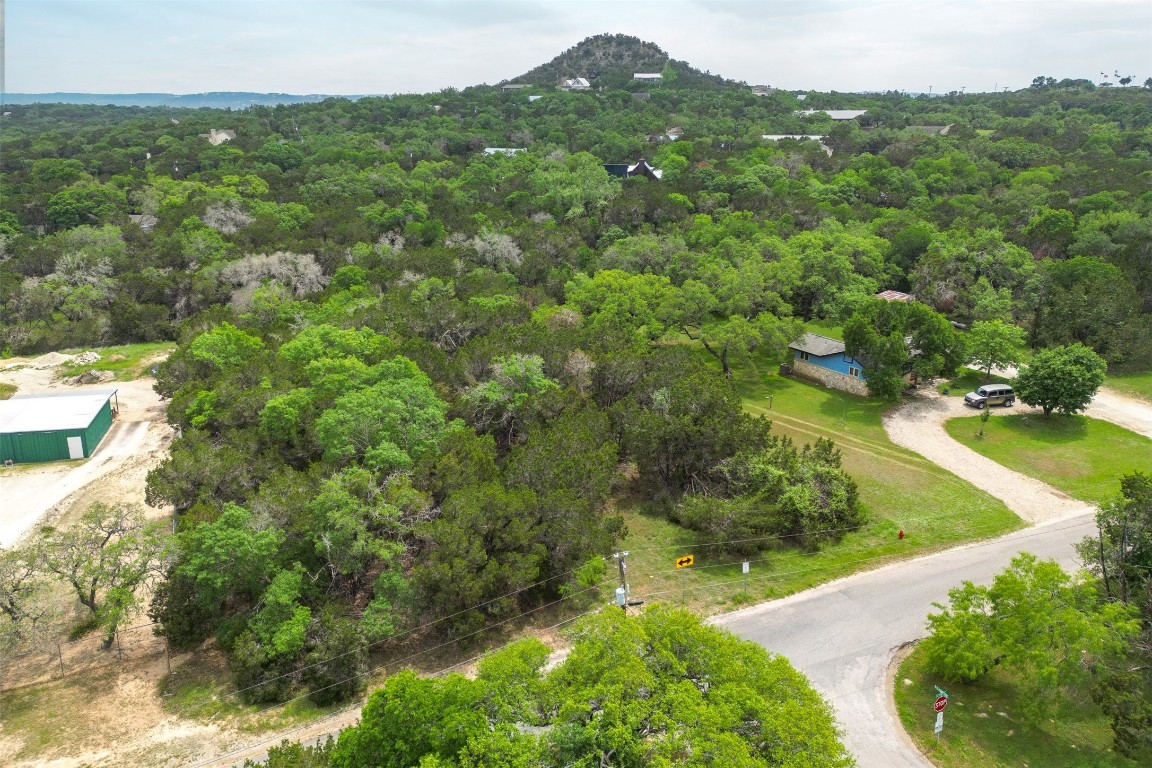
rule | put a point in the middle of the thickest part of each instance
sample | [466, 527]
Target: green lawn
[983, 727]
[1081, 456]
[1134, 384]
[127, 361]
[826, 328]
[899, 489]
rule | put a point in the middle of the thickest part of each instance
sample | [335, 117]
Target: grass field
[127, 361]
[7, 390]
[899, 489]
[983, 727]
[1133, 384]
[1083, 457]
[826, 328]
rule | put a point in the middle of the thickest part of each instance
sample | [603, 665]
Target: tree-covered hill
[611, 61]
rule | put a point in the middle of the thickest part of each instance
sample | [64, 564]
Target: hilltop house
[825, 360]
[647, 76]
[575, 84]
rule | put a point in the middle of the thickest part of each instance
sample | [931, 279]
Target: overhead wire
[1032, 534]
[348, 709]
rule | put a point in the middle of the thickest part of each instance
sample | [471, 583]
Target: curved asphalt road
[843, 635]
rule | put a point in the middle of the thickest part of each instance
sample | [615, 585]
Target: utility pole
[622, 590]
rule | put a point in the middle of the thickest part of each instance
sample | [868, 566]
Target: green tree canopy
[994, 344]
[647, 690]
[895, 338]
[1063, 379]
[1036, 619]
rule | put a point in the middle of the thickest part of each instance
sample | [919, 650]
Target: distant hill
[214, 99]
[611, 60]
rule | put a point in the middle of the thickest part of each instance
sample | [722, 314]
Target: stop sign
[940, 703]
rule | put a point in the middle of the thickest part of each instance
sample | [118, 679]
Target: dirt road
[45, 493]
[918, 425]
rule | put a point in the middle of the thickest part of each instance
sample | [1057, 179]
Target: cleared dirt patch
[49, 493]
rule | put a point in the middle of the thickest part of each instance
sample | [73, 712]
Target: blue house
[826, 361]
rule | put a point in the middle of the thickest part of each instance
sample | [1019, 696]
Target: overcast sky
[385, 46]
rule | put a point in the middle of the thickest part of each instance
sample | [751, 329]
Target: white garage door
[75, 448]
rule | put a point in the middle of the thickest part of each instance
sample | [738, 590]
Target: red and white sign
[941, 702]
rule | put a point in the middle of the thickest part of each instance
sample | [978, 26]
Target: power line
[774, 537]
[406, 632]
[396, 662]
[346, 710]
[569, 620]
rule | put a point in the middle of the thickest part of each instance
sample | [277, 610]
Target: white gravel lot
[34, 493]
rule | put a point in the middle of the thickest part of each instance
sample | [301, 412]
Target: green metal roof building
[55, 427]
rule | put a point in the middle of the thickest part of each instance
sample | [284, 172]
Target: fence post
[60, 656]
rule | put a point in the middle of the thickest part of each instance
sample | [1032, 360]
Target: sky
[419, 46]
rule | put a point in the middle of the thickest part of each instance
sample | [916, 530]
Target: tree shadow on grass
[1057, 429]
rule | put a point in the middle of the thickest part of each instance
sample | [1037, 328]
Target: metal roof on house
[835, 114]
[891, 295]
[815, 344]
[643, 167]
[51, 411]
[799, 137]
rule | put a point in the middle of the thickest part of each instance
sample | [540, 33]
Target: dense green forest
[412, 375]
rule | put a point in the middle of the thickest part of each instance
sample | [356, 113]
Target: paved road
[843, 635]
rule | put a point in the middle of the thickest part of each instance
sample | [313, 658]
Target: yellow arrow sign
[685, 561]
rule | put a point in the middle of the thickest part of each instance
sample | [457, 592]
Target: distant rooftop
[815, 344]
[835, 114]
[799, 137]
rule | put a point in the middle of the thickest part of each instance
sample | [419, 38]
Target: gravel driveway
[918, 425]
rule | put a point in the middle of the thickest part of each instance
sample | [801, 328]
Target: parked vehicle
[991, 394]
